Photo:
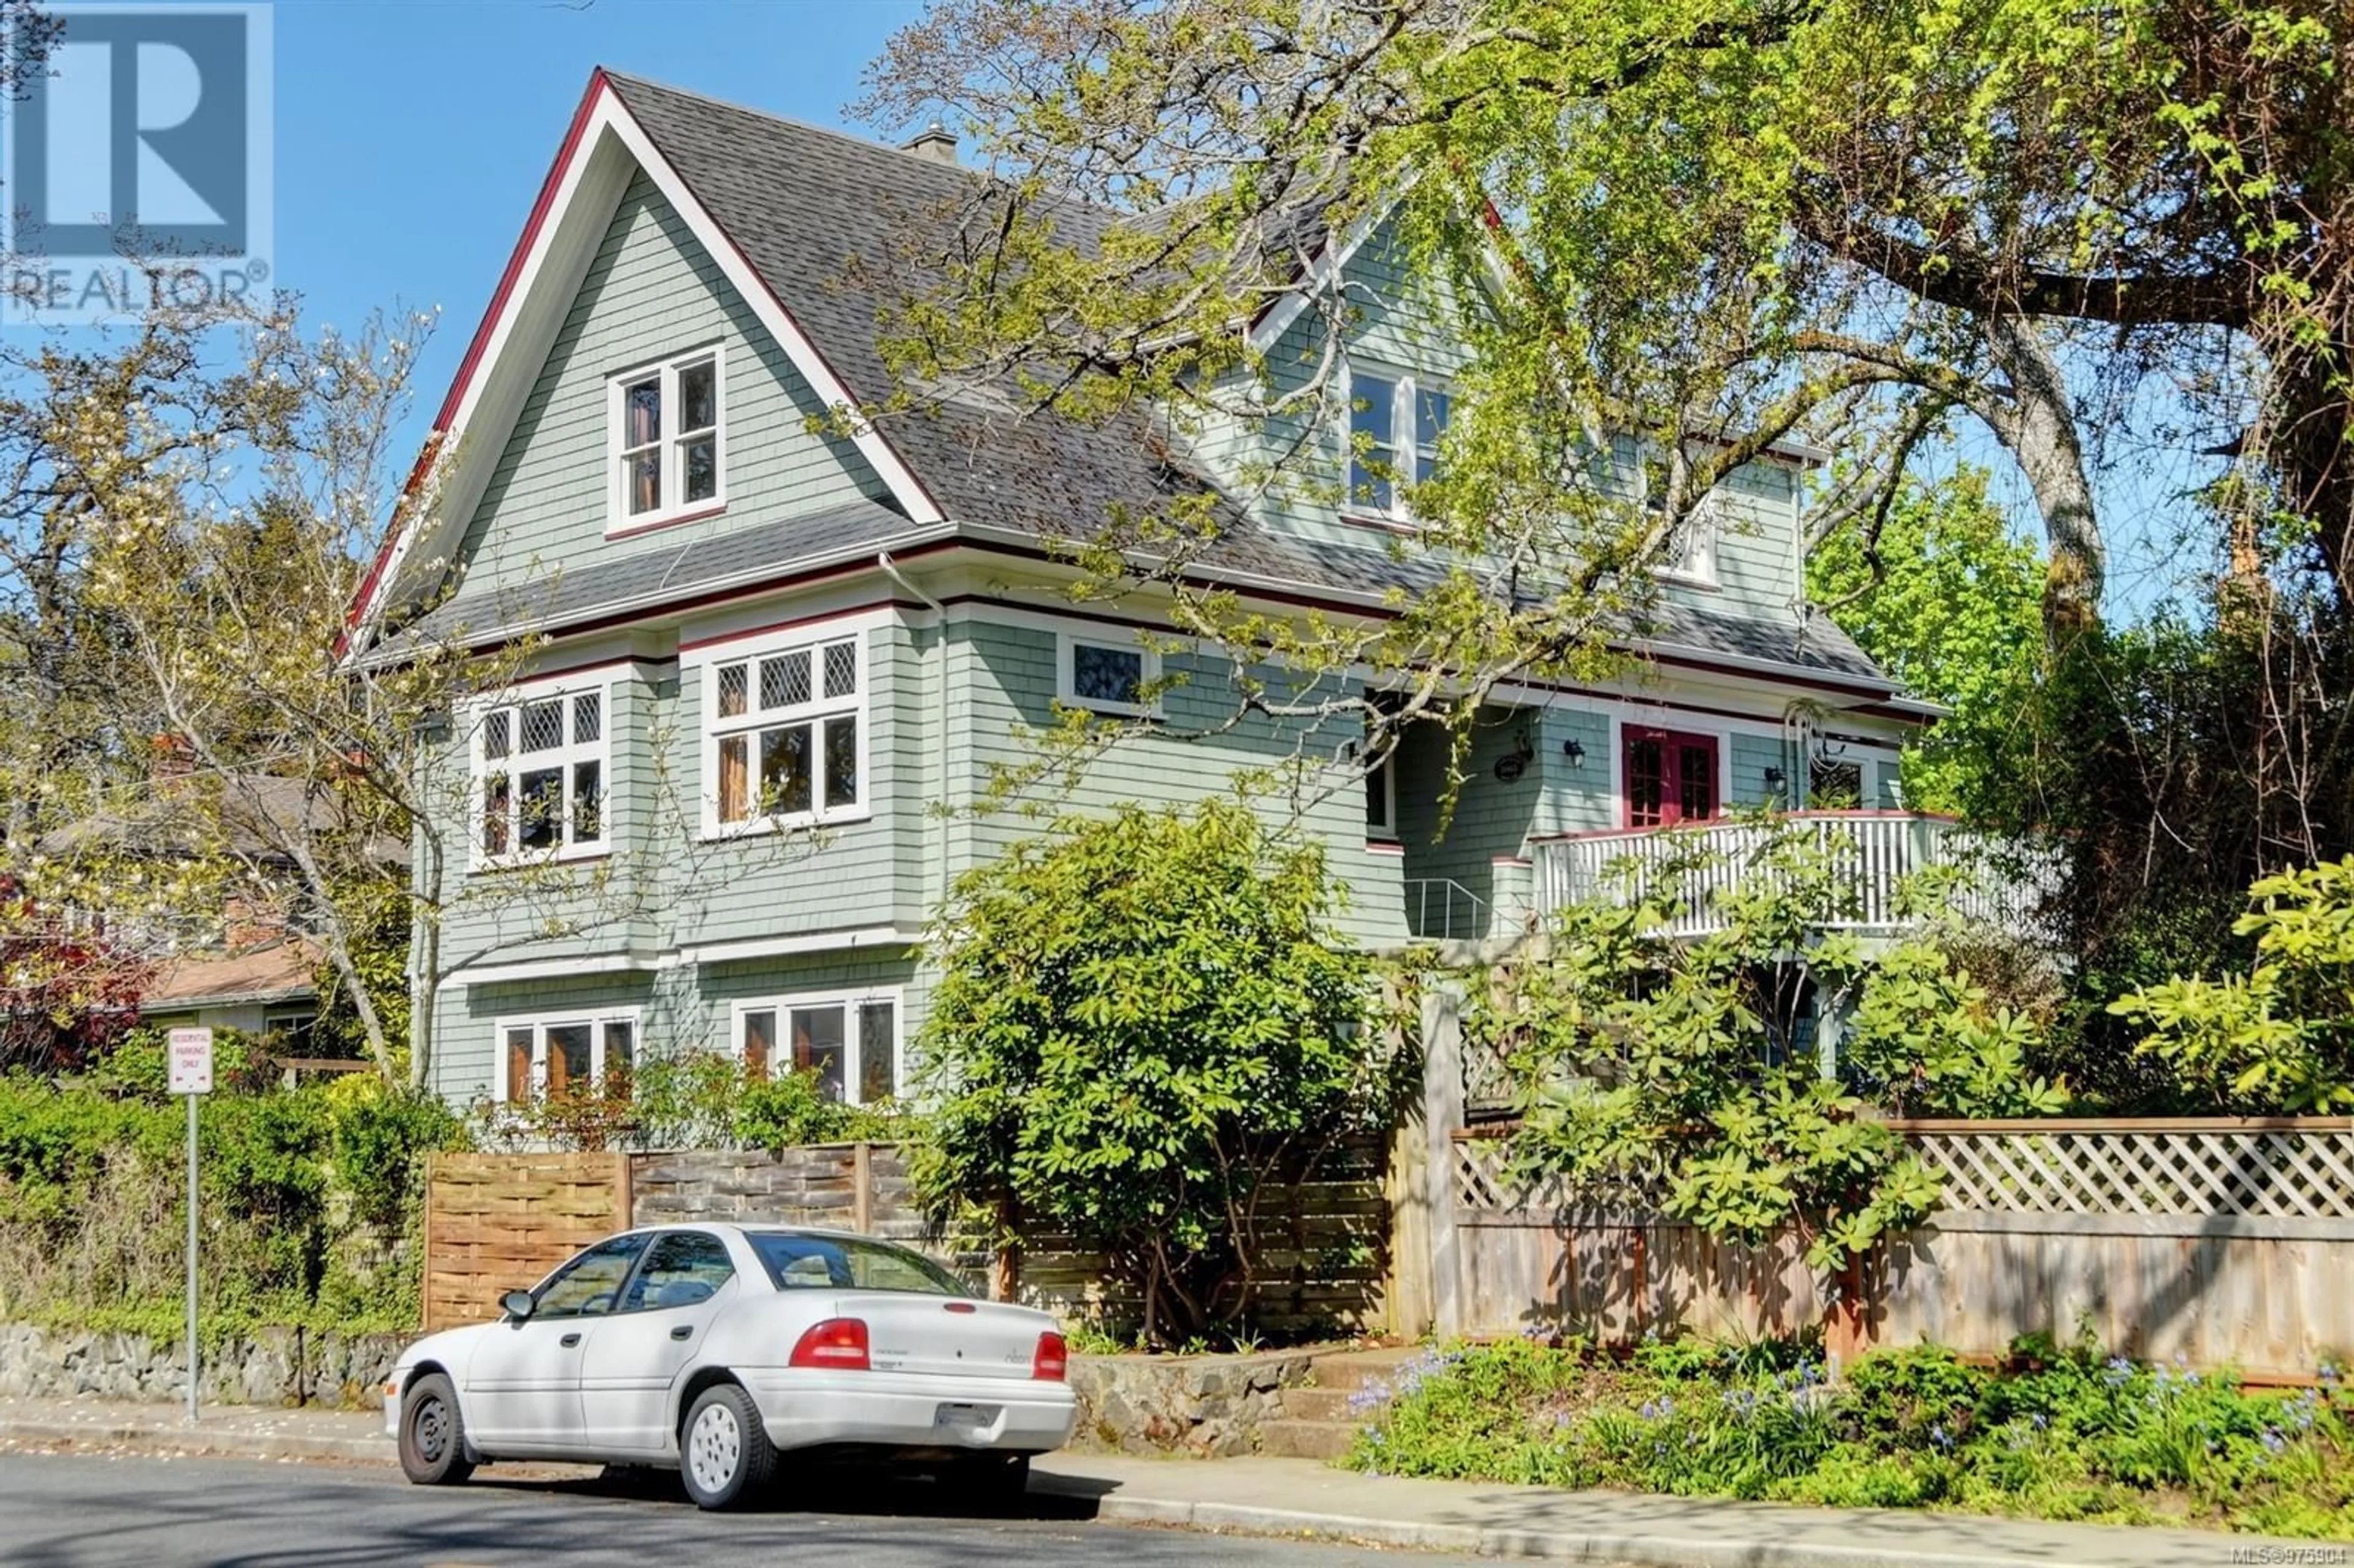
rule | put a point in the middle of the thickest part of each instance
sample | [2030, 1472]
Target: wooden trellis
[2300, 1168]
[2228, 1242]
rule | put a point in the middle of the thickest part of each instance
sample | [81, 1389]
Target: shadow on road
[855, 1491]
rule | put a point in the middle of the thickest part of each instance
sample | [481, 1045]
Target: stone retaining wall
[271, 1366]
[1208, 1407]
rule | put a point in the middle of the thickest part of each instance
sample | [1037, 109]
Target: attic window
[1689, 552]
[665, 441]
[1395, 421]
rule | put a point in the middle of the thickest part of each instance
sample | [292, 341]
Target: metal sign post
[192, 1074]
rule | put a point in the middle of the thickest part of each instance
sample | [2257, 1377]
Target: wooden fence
[2227, 1243]
[494, 1221]
[498, 1221]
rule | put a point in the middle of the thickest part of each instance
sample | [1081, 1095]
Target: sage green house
[778, 650]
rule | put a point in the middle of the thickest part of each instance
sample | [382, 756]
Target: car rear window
[845, 1263]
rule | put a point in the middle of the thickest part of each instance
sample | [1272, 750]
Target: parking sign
[192, 1061]
[139, 168]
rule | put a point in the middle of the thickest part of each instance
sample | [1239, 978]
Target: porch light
[1773, 778]
[1576, 751]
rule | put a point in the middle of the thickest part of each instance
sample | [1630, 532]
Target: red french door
[1671, 778]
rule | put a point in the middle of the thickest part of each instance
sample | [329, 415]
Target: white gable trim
[1324, 273]
[905, 488]
[565, 232]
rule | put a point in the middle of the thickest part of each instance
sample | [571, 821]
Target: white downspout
[941, 617]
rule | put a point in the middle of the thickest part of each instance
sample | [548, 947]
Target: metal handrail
[1452, 895]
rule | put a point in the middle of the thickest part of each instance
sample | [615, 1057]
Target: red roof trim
[480, 345]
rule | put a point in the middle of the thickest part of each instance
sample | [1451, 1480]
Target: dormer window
[1395, 420]
[1689, 553]
[666, 441]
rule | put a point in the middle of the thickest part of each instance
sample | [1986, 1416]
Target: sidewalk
[1297, 1497]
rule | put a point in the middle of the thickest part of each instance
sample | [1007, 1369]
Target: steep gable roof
[794, 214]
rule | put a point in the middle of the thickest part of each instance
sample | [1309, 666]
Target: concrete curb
[1649, 1550]
[1129, 1502]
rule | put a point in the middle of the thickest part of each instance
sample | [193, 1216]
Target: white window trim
[1407, 384]
[853, 1065]
[1678, 721]
[502, 1092]
[1386, 829]
[619, 518]
[814, 638]
[477, 713]
[1066, 677]
[1695, 565]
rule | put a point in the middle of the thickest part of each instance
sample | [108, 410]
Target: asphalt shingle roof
[822, 217]
[564, 595]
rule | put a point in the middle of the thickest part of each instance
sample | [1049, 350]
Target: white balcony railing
[1873, 852]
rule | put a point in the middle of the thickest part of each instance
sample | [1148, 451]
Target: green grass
[2065, 1434]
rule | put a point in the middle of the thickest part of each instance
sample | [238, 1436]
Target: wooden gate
[494, 1221]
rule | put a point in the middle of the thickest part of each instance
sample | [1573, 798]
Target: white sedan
[713, 1347]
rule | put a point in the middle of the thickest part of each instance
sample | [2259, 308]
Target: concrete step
[1360, 1369]
[1292, 1440]
[1321, 1405]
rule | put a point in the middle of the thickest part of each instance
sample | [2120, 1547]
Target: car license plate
[964, 1417]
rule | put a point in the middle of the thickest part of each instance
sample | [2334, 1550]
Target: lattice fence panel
[2275, 1172]
[2170, 1170]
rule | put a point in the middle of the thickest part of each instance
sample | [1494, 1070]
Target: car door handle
[684, 1331]
[569, 1341]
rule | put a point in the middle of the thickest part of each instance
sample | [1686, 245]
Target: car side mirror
[518, 1305]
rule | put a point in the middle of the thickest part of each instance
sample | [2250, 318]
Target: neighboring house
[247, 965]
[741, 610]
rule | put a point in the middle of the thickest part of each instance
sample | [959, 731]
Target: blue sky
[412, 134]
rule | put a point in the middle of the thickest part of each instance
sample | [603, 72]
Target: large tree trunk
[2043, 437]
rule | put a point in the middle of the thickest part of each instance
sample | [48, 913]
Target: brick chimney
[170, 757]
[934, 142]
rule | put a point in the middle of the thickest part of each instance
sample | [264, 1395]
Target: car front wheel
[433, 1434]
[724, 1455]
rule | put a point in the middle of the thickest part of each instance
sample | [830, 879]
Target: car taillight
[837, 1342]
[1053, 1358]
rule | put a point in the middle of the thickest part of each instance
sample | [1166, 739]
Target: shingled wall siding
[651, 291]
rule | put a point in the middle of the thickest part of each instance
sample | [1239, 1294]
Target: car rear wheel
[433, 1434]
[724, 1452]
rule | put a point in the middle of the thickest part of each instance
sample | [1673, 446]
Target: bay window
[539, 765]
[786, 735]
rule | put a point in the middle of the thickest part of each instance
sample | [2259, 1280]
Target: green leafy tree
[1141, 1022]
[1862, 217]
[1676, 1070]
[2279, 1037]
[1946, 597]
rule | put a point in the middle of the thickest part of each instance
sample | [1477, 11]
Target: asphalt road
[99, 1512]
